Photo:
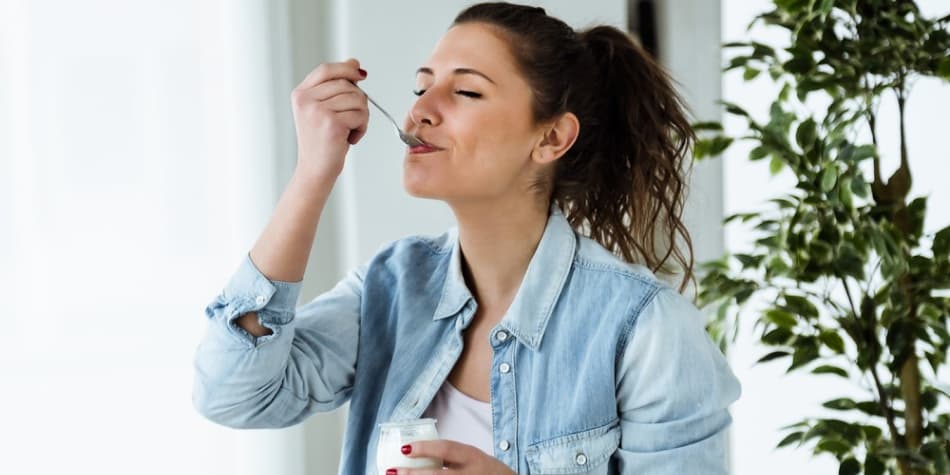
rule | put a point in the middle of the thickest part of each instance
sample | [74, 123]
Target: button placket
[504, 401]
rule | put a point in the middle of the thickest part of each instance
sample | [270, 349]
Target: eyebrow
[456, 71]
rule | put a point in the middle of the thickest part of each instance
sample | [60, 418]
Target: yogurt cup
[393, 435]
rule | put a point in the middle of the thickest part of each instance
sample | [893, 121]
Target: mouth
[426, 147]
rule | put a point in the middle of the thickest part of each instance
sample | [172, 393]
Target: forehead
[476, 46]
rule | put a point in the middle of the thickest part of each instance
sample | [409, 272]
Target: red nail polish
[362, 72]
[406, 449]
[391, 471]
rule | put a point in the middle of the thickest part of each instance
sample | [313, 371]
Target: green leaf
[873, 465]
[943, 69]
[749, 261]
[719, 144]
[840, 404]
[832, 340]
[805, 135]
[758, 153]
[783, 94]
[862, 152]
[778, 336]
[707, 126]
[849, 466]
[750, 74]
[871, 433]
[775, 165]
[806, 352]
[800, 305]
[941, 244]
[828, 369]
[859, 186]
[916, 211]
[844, 193]
[791, 438]
[773, 356]
[829, 176]
[834, 446]
[869, 407]
[744, 217]
[734, 109]
[781, 318]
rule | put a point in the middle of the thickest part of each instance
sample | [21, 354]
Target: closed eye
[471, 94]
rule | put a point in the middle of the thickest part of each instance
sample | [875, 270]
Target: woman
[538, 349]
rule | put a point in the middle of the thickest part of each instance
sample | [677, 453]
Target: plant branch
[883, 400]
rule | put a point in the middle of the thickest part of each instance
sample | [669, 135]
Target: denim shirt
[597, 366]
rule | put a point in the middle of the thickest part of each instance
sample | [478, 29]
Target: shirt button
[504, 368]
[504, 446]
[501, 335]
[581, 459]
[260, 299]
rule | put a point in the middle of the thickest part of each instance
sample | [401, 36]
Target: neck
[497, 243]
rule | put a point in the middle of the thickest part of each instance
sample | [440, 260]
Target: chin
[418, 182]
[419, 190]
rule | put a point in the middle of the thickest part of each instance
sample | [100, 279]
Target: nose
[425, 111]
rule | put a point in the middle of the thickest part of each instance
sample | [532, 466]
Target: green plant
[842, 279]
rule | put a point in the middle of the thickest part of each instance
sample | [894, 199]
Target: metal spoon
[408, 139]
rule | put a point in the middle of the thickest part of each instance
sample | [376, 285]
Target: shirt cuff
[250, 291]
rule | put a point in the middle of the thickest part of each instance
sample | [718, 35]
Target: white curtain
[138, 162]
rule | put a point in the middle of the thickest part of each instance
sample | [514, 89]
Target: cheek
[488, 157]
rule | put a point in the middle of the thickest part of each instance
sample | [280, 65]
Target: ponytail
[623, 181]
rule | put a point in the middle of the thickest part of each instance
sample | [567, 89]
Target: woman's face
[474, 108]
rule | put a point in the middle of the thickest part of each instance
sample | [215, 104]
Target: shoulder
[416, 248]
[592, 257]
[623, 287]
[668, 320]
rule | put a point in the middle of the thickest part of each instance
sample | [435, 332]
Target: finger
[333, 87]
[347, 101]
[349, 69]
[451, 453]
[356, 135]
[420, 471]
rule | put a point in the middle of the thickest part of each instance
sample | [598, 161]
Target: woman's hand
[330, 114]
[458, 459]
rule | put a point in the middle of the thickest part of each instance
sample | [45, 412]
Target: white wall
[136, 149]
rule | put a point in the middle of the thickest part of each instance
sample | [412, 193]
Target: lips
[425, 147]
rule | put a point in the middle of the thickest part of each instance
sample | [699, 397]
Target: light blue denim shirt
[597, 366]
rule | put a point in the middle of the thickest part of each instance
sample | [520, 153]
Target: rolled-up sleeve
[674, 388]
[306, 365]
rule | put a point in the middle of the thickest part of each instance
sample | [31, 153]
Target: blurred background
[143, 145]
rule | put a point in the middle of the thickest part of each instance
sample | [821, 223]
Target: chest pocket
[585, 452]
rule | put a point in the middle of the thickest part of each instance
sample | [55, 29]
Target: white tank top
[462, 418]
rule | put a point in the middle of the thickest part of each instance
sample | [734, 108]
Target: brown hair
[623, 180]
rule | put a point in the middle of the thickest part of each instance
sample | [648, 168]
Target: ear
[558, 138]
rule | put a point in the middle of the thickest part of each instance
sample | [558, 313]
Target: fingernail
[362, 72]
[406, 449]
[391, 471]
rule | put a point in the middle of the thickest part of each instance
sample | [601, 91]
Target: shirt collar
[528, 315]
